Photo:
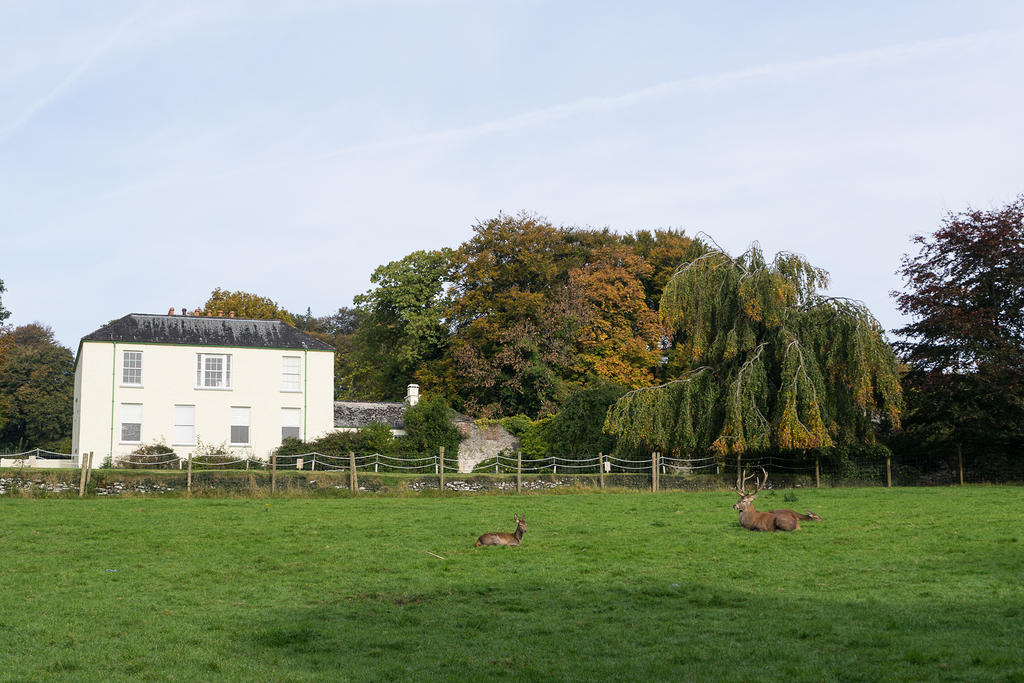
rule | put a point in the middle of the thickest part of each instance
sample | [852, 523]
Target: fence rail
[885, 472]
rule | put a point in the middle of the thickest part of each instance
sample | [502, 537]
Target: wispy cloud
[60, 88]
[876, 58]
[703, 83]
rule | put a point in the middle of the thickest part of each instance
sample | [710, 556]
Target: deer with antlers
[503, 538]
[772, 520]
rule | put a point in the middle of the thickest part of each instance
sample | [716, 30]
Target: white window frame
[241, 416]
[291, 377]
[131, 414]
[291, 418]
[184, 419]
[213, 379]
[135, 355]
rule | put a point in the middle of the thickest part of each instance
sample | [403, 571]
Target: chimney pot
[220, 314]
[171, 311]
[231, 314]
[412, 394]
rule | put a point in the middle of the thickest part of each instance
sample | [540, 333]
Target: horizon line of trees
[581, 339]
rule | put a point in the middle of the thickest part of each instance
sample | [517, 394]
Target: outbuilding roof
[352, 414]
[192, 330]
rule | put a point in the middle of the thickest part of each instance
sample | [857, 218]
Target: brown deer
[773, 520]
[502, 538]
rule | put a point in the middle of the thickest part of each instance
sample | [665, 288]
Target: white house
[186, 379]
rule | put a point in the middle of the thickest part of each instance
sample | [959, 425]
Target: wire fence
[38, 457]
[787, 470]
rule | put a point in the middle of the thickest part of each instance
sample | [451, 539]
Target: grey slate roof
[140, 328]
[361, 414]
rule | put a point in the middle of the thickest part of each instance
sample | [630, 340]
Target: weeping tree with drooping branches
[767, 363]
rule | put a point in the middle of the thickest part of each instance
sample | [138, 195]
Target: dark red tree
[965, 345]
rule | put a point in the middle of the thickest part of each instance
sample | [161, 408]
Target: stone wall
[482, 443]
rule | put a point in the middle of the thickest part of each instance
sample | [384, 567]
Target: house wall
[169, 379]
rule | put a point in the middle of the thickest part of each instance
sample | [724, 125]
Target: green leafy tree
[402, 323]
[662, 251]
[512, 319]
[769, 363]
[577, 429]
[36, 390]
[245, 305]
[965, 345]
[378, 438]
[428, 426]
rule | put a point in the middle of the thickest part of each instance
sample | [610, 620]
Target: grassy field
[905, 584]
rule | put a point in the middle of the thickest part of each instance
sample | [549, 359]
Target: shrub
[428, 426]
[148, 456]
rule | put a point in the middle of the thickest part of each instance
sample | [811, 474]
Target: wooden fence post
[817, 472]
[888, 471]
[88, 470]
[298, 464]
[81, 479]
[353, 480]
[960, 461]
[654, 472]
[600, 469]
[273, 474]
[739, 472]
[440, 458]
[189, 480]
[519, 471]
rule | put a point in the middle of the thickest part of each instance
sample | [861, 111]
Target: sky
[153, 151]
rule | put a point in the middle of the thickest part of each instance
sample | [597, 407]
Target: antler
[762, 482]
[741, 488]
[758, 483]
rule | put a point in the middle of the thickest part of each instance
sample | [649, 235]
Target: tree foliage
[402, 324]
[36, 390]
[577, 429]
[4, 313]
[965, 345]
[618, 334]
[245, 305]
[766, 362]
[428, 426]
[512, 321]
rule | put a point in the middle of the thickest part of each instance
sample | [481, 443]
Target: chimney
[171, 311]
[412, 394]
[231, 314]
[220, 314]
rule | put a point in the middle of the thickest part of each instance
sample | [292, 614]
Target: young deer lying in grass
[502, 538]
[773, 520]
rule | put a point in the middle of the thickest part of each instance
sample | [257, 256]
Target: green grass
[905, 584]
